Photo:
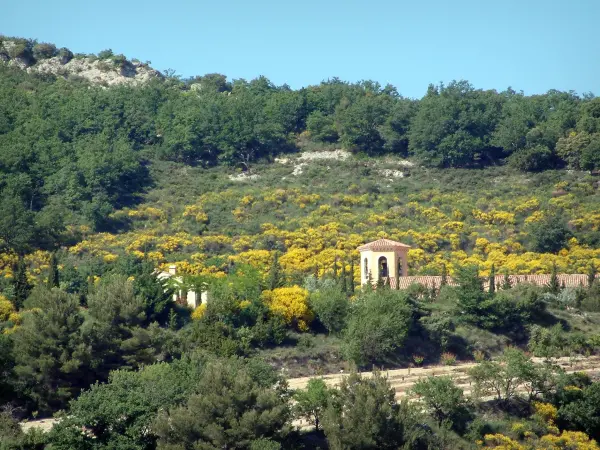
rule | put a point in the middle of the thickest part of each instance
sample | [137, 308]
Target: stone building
[385, 259]
[182, 294]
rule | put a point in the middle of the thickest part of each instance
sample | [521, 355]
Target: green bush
[378, 324]
[44, 51]
[331, 306]
[533, 159]
[105, 54]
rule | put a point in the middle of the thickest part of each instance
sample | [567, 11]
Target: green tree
[274, 280]
[444, 400]
[506, 284]
[119, 413]
[53, 277]
[359, 123]
[533, 159]
[7, 362]
[554, 284]
[454, 124]
[51, 357]
[583, 414]
[114, 312]
[591, 278]
[232, 406]
[321, 127]
[444, 279]
[492, 280]
[331, 306]
[16, 223]
[312, 401]
[549, 235]
[378, 323]
[22, 286]
[471, 298]
[363, 415]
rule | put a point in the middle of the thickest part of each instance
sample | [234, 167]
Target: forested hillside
[263, 193]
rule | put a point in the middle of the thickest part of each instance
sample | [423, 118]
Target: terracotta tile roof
[383, 244]
[569, 280]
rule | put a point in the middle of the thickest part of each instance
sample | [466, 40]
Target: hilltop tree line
[71, 152]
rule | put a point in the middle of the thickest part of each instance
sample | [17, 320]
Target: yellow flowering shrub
[6, 309]
[567, 440]
[546, 411]
[291, 303]
[199, 312]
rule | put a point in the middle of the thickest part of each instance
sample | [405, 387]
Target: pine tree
[591, 274]
[21, 284]
[335, 274]
[492, 283]
[351, 277]
[172, 319]
[444, 280]
[433, 292]
[506, 284]
[554, 284]
[343, 280]
[380, 283]
[275, 273]
[53, 278]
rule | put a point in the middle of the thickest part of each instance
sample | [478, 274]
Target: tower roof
[383, 245]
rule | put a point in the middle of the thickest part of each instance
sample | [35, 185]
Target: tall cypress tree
[275, 273]
[335, 274]
[506, 284]
[444, 280]
[53, 277]
[351, 277]
[492, 282]
[21, 284]
[591, 274]
[343, 286]
[554, 284]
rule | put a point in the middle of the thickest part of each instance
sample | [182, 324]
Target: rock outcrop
[105, 72]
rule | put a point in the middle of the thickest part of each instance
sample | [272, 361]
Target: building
[182, 294]
[383, 259]
[388, 260]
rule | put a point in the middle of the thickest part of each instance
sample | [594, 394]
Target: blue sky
[531, 45]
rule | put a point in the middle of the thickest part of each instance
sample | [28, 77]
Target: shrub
[448, 359]
[444, 400]
[532, 159]
[291, 303]
[199, 312]
[44, 51]
[363, 414]
[378, 323]
[234, 404]
[65, 55]
[331, 306]
[105, 54]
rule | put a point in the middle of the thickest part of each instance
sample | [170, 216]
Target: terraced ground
[402, 380]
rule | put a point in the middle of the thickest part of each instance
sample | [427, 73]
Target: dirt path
[403, 379]
[400, 379]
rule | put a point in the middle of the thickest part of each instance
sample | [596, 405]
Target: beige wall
[372, 263]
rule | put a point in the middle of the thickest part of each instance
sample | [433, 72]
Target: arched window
[383, 267]
[366, 268]
[399, 265]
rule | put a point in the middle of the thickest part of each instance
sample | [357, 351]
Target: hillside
[260, 195]
[314, 211]
[105, 69]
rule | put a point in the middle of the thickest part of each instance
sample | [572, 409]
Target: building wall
[372, 264]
